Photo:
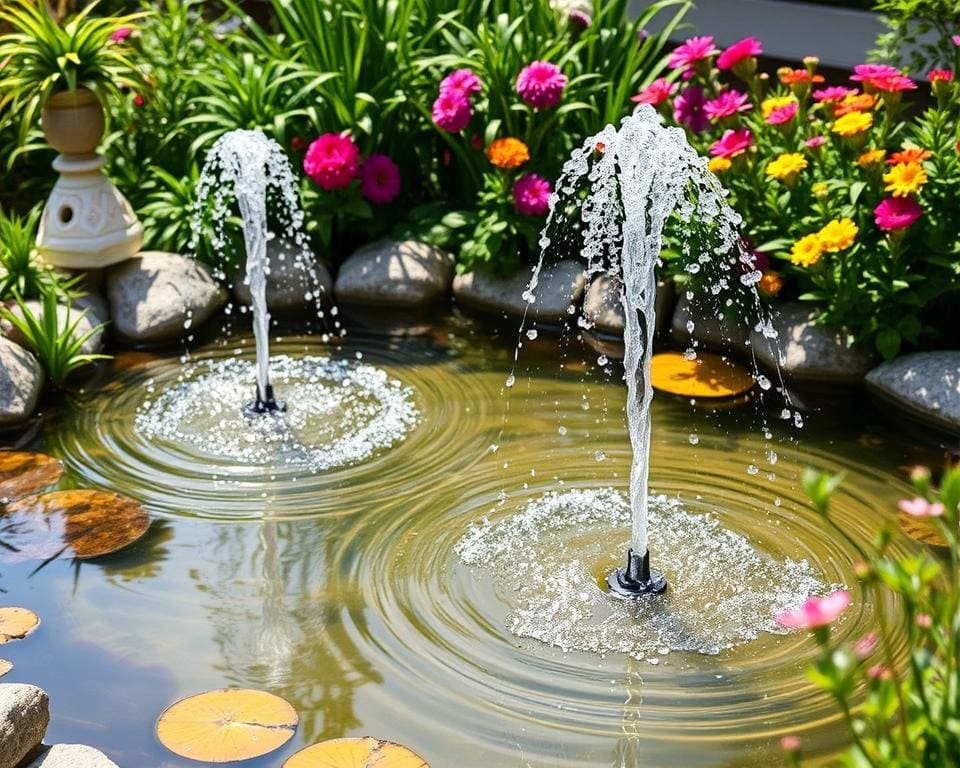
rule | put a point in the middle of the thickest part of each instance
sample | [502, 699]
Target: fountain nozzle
[635, 578]
[261, 404]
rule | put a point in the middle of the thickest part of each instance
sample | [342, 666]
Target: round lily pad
[79, 523]
[228, 725]
[705, 376]
[16, 624]
[25, 472]
[921, 529]
[364, 752]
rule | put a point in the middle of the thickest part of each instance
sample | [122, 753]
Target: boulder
[602, 307]
[697, 320]
[24, 715]
[154, 295]
[391, 273]
[65, 315]
[292, 276]
[924, 385]
[72, 756]
[21, 382]
[559, 287]
[810, 352]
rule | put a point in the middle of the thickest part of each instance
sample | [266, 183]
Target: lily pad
[228, 725]
[16, 624]
[707, 375]
[25, 472]
[79, 523]
[5, 666]
[921, 529]
[364, 752]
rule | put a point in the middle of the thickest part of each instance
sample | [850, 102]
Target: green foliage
[42, 57]
[57, 347]
[20, 272]
[923, 26]
[910, 716]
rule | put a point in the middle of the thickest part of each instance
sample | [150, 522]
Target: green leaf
[888, 343]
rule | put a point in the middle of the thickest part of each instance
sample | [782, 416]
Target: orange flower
[910, 155]
[771, 283]
[858, 102]
[797, 76]
[508, 152]
[870, 158]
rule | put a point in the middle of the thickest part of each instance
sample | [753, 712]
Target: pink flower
[540, 84]
[817, 611]
[379, 179]
[937, 75]
[864, 73]
[727, 104]
[531, 195]
[920, 507]
[833, 93]
[879, 672]
[732, 143]
[688, 109]
[782, 115]
[332, 161]
[579, 19]
[461, 82]
[121, 34]
[865, 645]
[139, 100]
[656, 93]
[897, 213]
[924, 620]
[452, 112]
[956, 40]
[744, 49]
[893, 83]
[790, 743]
[815, 141]
[686, 55]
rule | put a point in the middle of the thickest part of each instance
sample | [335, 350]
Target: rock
[85, 324]
[926, 385]
[21, 382]
[602, 307]
[289, 279]
[153, 294]
[387, 272]
[72, 756]
[24, 715]
[560, 286]
[810, 352]
[708, 329]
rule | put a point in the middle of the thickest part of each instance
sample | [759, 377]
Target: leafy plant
[921, 28]
[41, 57]
[59, 348]
[20, 271]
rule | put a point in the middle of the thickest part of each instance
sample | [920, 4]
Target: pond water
[344, 589]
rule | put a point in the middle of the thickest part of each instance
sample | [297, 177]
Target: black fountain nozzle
[261, 404]
[636, 578]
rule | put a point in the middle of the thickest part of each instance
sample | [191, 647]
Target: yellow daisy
[852, 123]
[719, 164]
[871, 157]
[775, 102]
[838, 235]
[904, 179]
[820, 189]
[787, 166]
[806, 251]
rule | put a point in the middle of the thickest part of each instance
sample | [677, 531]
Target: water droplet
[753, 469]
[600, 456]
[694, 439]
[602, 360]
[764, 382]
[532, 334]
[511, 380]
[562, 429]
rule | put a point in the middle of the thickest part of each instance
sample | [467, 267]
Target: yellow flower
[775, 102]
[820, 189]
[904, 179]
[771, 283]
[787, 166]
[871, 157]
[852, 123]
[806, 251]
[508, 153]
[720, 164]
[838, 235]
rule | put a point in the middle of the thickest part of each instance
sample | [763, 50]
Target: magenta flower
[895, 213]
[540, 84]
[121, 34]
[732, 143]
[782, 115]
[579, 19]
[747, 48]
[936, 75]
[956, 40]
[893, 83]
[452, 112]
[656, 93]
[461, 82]
[920, 507]
[686, 55]
[865, 645]
[814, 142]
[816, 612]
[864, 73]
[727, 104]
[531, 195]
[332, 161]
[688, 109]
[379, 179]
[833, 93]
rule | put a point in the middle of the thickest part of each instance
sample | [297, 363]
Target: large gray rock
[292, 276]
[810, 352]
[72, 756]
[24, 715]
[21, 382]
[393, 273]
[153, 295]
[926, 385]
[560, 287]
[602, 306]
[697, 320]
[85, 323]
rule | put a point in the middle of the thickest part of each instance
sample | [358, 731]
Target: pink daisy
[332, 161]
[531, 195]
[540, 84]
[727, 104]
[686, 55]
[379, 179]
[656, 93]
[732, 143]
[747, 48]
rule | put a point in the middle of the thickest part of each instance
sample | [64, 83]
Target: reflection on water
[342, 590]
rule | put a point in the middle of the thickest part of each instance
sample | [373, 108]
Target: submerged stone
[24, 716]
[560, 287]
[395, 273]
[21, 382]
[72, 756]
[924, 386]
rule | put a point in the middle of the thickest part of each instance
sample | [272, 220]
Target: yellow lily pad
[365, 752]
[25, 472]
[706, 376]
[16, 624]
